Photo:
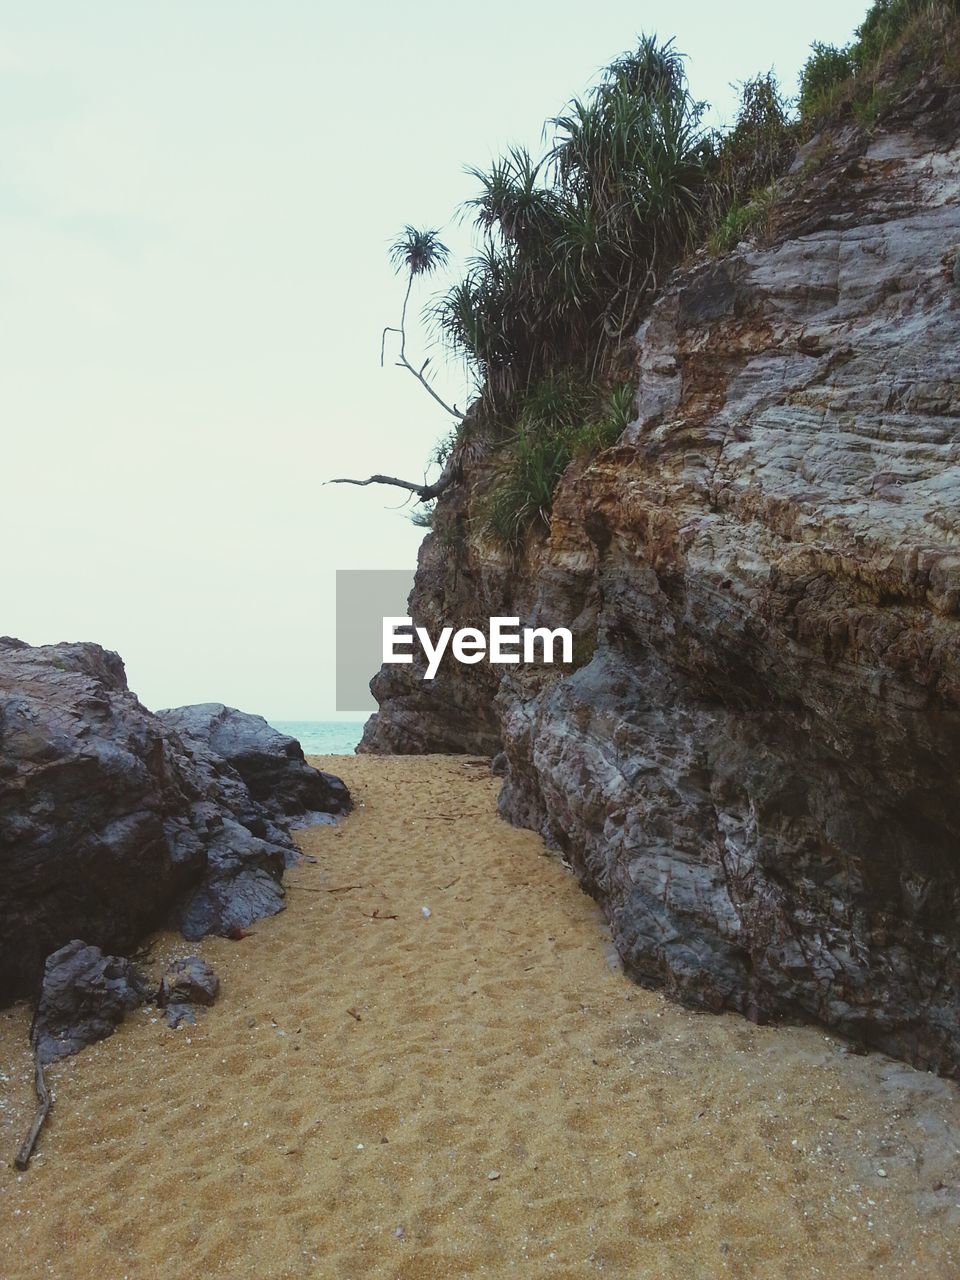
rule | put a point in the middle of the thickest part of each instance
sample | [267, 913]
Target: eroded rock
[187, 982]
[84, 997]
[271, 764]
[112, 823]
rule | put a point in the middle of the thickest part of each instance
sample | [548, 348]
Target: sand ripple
[341, 1110]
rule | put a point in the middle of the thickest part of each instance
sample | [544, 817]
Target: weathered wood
[424, 492]
[44, 1103]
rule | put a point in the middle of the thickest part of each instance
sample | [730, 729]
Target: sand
[477, 1092]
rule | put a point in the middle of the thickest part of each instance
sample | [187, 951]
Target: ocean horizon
[323, 737]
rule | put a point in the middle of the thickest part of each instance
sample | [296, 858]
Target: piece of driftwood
[44, 1103]
[307, 888]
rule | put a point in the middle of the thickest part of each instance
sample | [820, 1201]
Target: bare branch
[383, 340]
[403, 363]
[44, 1102]
[425, 492]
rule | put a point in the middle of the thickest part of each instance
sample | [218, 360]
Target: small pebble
[426, 912]
[493, 1175]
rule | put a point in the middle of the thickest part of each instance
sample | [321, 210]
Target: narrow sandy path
[344, 1108]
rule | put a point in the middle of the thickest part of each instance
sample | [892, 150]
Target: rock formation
[283, 788]
[84, 997]
[114, 820]
[752, 763]
[187, 982]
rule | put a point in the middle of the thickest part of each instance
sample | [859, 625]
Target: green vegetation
[419, 253]
[573, 244]
[557, 419]
[423, 518]
[825, 69]
[886, 22]
[741, 221]
[759, 147]
[749, 160]
[835, 80]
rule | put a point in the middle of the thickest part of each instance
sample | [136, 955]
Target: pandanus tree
[574, 242]
[570, 245]
[419, 253]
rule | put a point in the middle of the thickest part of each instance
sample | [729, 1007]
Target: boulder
[84, 997]
[271, 764]
[189, 980]
[186, 983]
[112, 824]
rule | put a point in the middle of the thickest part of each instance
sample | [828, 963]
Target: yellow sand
[344, 1109]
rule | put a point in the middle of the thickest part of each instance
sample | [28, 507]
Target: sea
[323, 737]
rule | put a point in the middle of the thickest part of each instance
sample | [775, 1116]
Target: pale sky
[196, 202]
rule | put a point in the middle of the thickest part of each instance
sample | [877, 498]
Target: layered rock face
[753, 766]
[113, 821]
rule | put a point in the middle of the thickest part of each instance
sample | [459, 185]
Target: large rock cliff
[753, 761]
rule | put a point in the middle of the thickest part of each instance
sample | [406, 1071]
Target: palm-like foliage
[652, 70]
[574, 241]
[511, 199]
[418, 252]
[571, 246]
[552, 422]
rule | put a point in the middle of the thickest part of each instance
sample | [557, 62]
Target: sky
[197, 198]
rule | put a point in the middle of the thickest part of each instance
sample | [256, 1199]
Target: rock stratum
[752, 763]
[114, 820]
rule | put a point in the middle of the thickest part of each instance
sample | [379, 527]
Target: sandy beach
[477, 1091]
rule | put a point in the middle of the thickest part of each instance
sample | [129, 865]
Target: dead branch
[403, 363]
[44, 1102]
[425, 492]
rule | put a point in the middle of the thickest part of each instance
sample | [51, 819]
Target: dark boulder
[271, 763]
[187, 982]
[84, 997]
[112, 823]
[96, 809]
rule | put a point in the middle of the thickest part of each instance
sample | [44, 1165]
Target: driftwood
[44, 1103]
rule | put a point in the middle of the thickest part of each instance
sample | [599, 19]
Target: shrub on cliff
[573, 243]
[557, 419]
[856, 78]
[759, 147]
[827, 67]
